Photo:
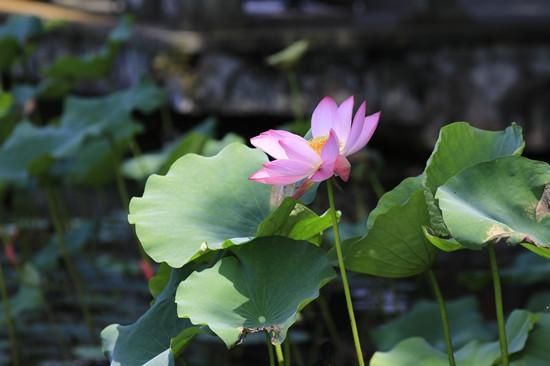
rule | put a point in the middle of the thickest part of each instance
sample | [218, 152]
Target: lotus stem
[280, 356]
[9, 319]
[269, 349]
[344, 276]
[167, 123]
[123, 192]
[295, 95]
[73, 274]
[328, 320]
[498, 305]
[287, 351]
[297, 354]
[377, 186]
[444, 317]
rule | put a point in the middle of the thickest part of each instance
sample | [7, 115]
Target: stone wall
[489, 85]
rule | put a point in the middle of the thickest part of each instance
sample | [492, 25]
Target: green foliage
[65, 71]
[458, 147]
[396, 197]
[15, 34]
[28, 297]
[261, 286]
[416, 351]
[83, 142]
[200, 204]
[423, 321]
[295, 221]
[536, 351]
[289, 56]
[497, 201]
[157, 336]
[394, 246]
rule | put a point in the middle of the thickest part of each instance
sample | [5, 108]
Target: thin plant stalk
[280, 355]
[287, 351]
[345, 283]
[297, 354]
[166, 119]
[328, 320]
[498, 305]
[73, 274]
[269, 350]
[123, 191]
[444, 317]
[9, 320]
[295, 95]
[377, 186]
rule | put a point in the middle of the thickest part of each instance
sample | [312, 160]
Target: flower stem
[123, 190]
[279, 353]
[444, 317]
[498, 304]
[287, 351]
[73, 274]
[329, 321]
[295, 95]
[344, 276]
[269, 350]
[9, 320]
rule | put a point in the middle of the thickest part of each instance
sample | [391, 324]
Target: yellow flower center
[318, 143]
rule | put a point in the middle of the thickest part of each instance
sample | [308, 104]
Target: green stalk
[344, 276]
[297, 354]
[166, 120]
[73, 274]
[444, 317]
[9, 320]
[376, 184]
[498, 304]
[328, 320]
[123, 190]
[287, 351]
[295, 95]
[280, 356]
[269, 350]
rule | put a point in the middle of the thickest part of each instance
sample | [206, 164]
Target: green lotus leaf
[81, 144]
[295, 221]
[14, 33]
[423, 321]
[213, 147]
[196, 141]
[27, 145]
[260, 287]
[47, 258]
[497, 201]
[396, 197]
[395, 245]
[6, 102]
[21, 28]
[416, 351]
[159, 162]
[201, 203]
[536, 351]
[539, 302]
[149, 341]
[446, 245]
[458, 147]
[289, 56]
[159, 281]
[527, 269]
[29, 296]
[543, 252]
[93, 65]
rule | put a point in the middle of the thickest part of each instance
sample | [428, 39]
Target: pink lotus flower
[335, 138]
